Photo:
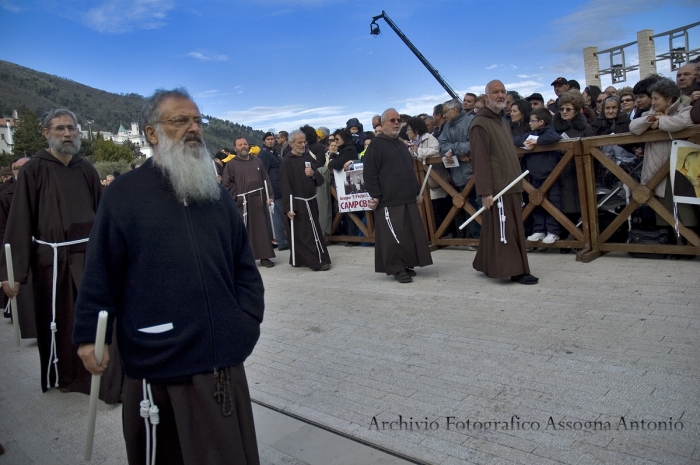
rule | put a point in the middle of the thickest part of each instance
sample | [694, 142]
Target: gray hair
[293, 135]
[150, 113]
[55, 113]
[326, 132]
[454, 103]
[383, 117]
[666, 88]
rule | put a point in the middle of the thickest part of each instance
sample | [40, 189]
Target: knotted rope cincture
[150, 413]
[317, 240]
[245, 204]
[53, 356]
[502, 220]
[388, 222]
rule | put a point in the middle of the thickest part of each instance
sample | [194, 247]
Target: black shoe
[524, 279]
[266, 263]
[325, 267]
[2, 449]
[351, 244]
[410, 272]
[283, 248]
[403, 277]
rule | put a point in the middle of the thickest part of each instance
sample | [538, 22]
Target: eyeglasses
[70, 129]
[566, 110]
[395, 120]
[183, 121]
[627, 100]
[600, 101]
[534, 121]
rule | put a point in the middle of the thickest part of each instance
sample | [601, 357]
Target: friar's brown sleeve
[481, 161]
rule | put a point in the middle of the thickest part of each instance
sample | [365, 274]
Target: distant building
[8, 126]
[134, 136]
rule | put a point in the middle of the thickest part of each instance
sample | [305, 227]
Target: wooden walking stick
[95, 385]
[496, 197]
[13, 301]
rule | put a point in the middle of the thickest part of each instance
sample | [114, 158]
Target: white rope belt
[149, 413]
[317, 240]
[502, 220]
[245, 204]
[388, 221]
[53, 356]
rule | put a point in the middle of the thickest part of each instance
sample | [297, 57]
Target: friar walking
[299, 178]
[53, 208]
[169, 258]
[401, 243]
[501, 252]
[245, 178]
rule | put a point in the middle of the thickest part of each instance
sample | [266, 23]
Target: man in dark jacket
[560, 85]
[271, 161]
[401, 243]
[169, 258]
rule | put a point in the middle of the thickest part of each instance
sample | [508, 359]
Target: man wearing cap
[536, 101]
[561, 85]
[573, 84]
[271, 161]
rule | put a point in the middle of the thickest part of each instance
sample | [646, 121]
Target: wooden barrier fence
[587, 238]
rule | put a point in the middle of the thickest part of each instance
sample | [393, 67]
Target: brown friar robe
[25, 300]
[400, 238]
[309, 245]
[245, 180]
[56, 203]
[495, 165]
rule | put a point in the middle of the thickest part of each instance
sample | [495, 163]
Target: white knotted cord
[388, 221]
[53, 356]
[502, 220]
[245, 204]
[7, 307]
[675, 217]
[317, 240]
[149, 412]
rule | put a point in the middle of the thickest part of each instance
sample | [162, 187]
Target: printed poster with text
[350, 187]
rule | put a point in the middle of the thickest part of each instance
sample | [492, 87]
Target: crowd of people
[183, 232]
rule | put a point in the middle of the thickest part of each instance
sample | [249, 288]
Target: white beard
[189, 169]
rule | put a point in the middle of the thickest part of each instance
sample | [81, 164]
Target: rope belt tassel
[388, 222]
[150, 414]
[53, 357]
[502, 220]
[245, 203]
[317, 240]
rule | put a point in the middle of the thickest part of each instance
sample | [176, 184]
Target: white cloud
[9, 6]
[289, 117]
[493, 67]
[203, 55]
[209, 94]
[120, 16]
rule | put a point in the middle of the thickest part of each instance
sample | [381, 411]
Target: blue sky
[277, 64]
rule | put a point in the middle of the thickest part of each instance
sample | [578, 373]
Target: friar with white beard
[245, 178]
[169, 260]
[55, 200]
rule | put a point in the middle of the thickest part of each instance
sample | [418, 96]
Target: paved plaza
[453, 368]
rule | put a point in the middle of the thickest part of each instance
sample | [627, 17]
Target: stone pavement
[596, 347]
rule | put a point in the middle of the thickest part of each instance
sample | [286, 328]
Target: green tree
[28, 138]
[106, 150]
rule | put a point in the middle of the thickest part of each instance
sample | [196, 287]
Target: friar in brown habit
[400, 239]
[245, 178]
[501, 252]
[25, 300]
[299, 178]
[54, 206]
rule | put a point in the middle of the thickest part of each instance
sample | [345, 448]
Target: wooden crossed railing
[586, 236]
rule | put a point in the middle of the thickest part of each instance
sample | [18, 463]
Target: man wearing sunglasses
[54, 205]
[400, 240]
